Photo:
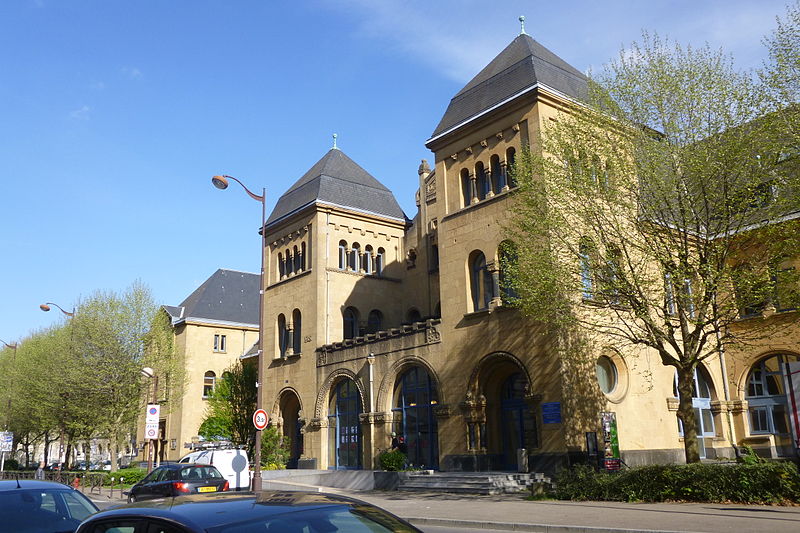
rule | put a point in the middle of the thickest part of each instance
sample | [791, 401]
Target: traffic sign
[152, 414]
[260, 419]
[151, 431]
[6, 441]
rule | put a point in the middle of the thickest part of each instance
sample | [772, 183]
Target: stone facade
[422, 344]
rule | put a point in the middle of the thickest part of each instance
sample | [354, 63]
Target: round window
[606, 374]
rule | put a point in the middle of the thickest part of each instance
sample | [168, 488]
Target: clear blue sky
[116, 113]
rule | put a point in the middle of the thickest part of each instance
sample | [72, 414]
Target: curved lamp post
[64, 395]
[221, 182]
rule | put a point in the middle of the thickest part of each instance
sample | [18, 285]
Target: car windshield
[43, 510]
[199, 472]
[356, 519]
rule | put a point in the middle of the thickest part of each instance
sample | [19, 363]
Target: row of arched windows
[489, 281]
[486, 182]
[292, 261]
[367, 261]
[290, 334]
[353, 327]
[210, 382]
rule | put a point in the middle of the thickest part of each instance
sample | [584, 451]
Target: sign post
[6, 445]
[151, 430]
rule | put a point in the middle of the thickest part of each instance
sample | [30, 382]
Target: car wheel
[131, 498]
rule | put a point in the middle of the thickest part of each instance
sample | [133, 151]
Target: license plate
[207, 489]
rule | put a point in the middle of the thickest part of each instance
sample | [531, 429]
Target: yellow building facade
[375, 323]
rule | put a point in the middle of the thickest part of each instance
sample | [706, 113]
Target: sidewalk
[514, 513]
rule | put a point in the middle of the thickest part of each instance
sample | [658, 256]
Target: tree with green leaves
[231, 406]
[649, 217]
[781, 73]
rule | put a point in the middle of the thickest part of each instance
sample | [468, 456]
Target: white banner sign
[153, 412]
[793, 396]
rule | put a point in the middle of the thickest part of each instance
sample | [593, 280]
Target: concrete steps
[470, 482]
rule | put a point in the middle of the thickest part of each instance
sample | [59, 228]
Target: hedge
[130, 475]
[393, 460]
[766, 483]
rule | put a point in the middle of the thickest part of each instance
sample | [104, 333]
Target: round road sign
[260, 419]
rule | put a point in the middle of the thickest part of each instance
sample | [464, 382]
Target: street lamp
[64, 395]
[221, 182]
[150, 374]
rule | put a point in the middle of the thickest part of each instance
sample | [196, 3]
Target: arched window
[302, 256]
[342, 255]
[289, 263]
[283, 336]
[350, 317]
[498, 178]
[508, 259]
[585, 257]
[281, 267]
[466, 187]
[480, 281]
[367, 260]
[298, 260]
[375, 321]
[480, 180]
[413, 316]
[297, 335]
[209, 382]
[354, 259]
[766, 395]
[380, 258]
[511, 155]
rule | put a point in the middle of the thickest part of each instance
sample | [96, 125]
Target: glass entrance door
[415, 398]
[344, 428]
[516, 422]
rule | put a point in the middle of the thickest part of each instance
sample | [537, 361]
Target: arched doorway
[290, 413]
[344, 427]
[504, 419]
[415, 396]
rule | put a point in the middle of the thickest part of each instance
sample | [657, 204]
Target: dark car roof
[201, 511]
[13, 484]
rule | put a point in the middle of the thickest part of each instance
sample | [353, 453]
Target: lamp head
[147, 372]
[219, 182]
[44, 307]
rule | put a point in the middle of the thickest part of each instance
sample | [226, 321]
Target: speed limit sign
[260, 419]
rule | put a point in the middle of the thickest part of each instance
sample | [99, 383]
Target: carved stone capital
[442, 410]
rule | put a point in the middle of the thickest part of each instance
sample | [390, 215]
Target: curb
[536, 528]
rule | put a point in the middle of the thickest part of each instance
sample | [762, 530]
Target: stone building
[213, 327]
[376, 323]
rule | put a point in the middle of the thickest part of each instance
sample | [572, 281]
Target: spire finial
[522, 24]
[334, 142]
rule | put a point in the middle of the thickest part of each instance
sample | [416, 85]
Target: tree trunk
[112, 448]
[686, 414]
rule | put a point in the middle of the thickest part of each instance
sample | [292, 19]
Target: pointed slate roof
[228, 296]
[523, 64]
[338, 180]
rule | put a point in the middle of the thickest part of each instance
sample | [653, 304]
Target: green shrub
[130, 475]
[12, 464]
[740, 483]
[392, 461]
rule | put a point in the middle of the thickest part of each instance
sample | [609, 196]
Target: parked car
[32, 506]
[246, 512]
[232, 464]
[178, 479]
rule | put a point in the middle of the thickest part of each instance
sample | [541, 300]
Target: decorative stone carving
[442, 411]
[432, 335]
[423, 167]
[411, 258]
[499, 134]
[484, 143]
[515, 128]
[430, 189]
[454, 157]
[468, 149]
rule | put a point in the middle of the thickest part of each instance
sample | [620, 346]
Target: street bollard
[111, 493]
[121, 485]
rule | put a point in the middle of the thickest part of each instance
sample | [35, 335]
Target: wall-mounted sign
[551, 413]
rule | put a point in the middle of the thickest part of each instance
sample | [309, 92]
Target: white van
[231, 463]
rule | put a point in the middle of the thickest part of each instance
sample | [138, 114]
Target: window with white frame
[220, 343]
